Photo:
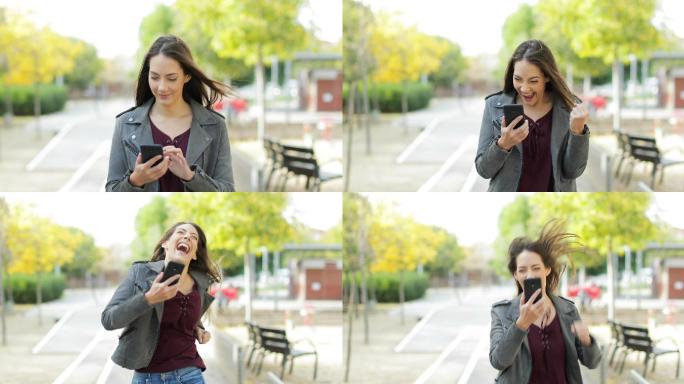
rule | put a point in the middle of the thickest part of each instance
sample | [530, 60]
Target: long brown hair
[202, 264]
[195, 89]
[537, 53]
[552, 243]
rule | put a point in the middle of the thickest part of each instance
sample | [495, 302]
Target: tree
[250, 30]
[151, 223]
[403, 54]
[609, 30]
[605, 222]
[515, 219]
[448, 257]
[87, 67]
[86, 255]
[400, 244]
[36, 56]
[452, 67]
[38, 246]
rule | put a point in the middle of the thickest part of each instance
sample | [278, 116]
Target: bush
[52, 99]
[386, 286]
[389, 96]
[24, 287]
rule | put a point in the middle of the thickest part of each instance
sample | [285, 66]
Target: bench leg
[316, 366]
[645, 366]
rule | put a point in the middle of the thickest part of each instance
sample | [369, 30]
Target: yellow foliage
[36, 243]
[403, 53]
[34, 55]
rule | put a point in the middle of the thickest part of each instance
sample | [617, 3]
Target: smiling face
[181, 246]
[529, 264]
[166, 79]
[530, 83]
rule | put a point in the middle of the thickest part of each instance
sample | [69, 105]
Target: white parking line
[419, 139]
[446, 352]
[418, 327]
[76, 177]
[106, 371]
[470, 180]
[54, 141]
[477, 353]
[84, 353]
[432, 181]
[53, 330]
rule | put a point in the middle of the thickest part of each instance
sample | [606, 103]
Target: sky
[476, 25]
[473, 217]
[110, 217]
[112, 25]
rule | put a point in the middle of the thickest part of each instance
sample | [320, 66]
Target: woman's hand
[202, 336]
[582, 332]
[177, 163]
[529, 311]
[146, 172]
[511, 137]
[162, 291]
[578, 118]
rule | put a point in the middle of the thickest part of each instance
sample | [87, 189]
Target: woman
[550, 149]
[162, 318]
[173, 101]
[540, 342]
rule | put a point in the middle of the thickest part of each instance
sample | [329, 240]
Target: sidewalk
[437, 151]
[427, 355]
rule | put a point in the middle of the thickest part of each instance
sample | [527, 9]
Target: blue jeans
[188, 375]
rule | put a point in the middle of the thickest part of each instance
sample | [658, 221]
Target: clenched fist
[578, 118]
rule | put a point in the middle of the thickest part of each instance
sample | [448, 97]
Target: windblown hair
[551, 245]
[200, 87]
[202, 264]
[537, 53]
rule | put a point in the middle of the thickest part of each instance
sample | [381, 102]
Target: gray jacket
[208, 151]
[509, 351]
[128, 308]
[569, 152]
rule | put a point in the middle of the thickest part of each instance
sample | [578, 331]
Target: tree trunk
[39, 297]
[350, 316]
[611, 282]
[248, 285]
[586, 86]
[261, 99]
[617, 93]
[350, 133]
[366, 116]
[570, 77]
[36, 107]
[364, 290]
[401, 296]
[404, 105]
[8, 107]
[2, 296]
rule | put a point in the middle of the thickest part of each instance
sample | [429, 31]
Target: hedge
[24, 287]
[386, 286]
[388, 96]
[53, 98]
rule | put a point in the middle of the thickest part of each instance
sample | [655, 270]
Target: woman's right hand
[529, 311]
[146, 172]
[162, 291]
[511, 137]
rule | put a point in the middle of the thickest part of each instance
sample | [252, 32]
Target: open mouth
[182, 247]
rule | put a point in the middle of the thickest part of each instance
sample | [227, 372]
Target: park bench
[275, 341]
[637, 339]
[634, 148]
[285, 161]
[616, 342]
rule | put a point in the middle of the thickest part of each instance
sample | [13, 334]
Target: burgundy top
[170, 182]
[176, 347]
[548, 353]
[537, 173]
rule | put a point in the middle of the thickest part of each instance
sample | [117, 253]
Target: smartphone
[172, 269]
[530, 286]
[149, 151]
[511, 111]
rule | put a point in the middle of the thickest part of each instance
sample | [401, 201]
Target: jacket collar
[199, 138]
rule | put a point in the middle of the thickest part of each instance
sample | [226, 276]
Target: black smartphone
[511, 111]
[530, 286]
[172, 269]
[149, 151]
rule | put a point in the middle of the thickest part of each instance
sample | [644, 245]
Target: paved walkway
[436, 151]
